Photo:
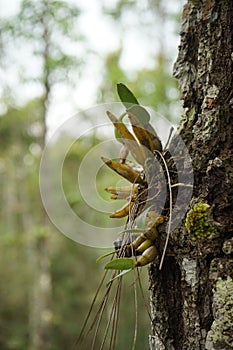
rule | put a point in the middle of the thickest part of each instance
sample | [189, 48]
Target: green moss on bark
[197, 221]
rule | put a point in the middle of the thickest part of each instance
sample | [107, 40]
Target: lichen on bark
[220, 335]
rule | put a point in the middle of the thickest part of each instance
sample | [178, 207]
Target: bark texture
[192, 297]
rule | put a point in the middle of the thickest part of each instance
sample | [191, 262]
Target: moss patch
[197, 222]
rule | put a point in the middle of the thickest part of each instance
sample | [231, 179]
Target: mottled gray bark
[192, 297]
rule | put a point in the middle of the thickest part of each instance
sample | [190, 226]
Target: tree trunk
[40, 315]
[192, 297]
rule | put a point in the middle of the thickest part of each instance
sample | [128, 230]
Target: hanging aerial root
[123, 170]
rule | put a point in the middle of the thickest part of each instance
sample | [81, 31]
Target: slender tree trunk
[41, 291]
[192, 297]
[40, 314]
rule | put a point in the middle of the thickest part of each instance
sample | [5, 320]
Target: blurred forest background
[57, 58]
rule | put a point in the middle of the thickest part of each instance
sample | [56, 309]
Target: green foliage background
[24, 230]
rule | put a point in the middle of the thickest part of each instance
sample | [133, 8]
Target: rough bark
[192, 297]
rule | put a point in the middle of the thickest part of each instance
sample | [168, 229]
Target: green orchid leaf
[120, 264]
[140, 113]
[126, 96]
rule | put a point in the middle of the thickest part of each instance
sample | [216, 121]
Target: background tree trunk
[191, 297]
